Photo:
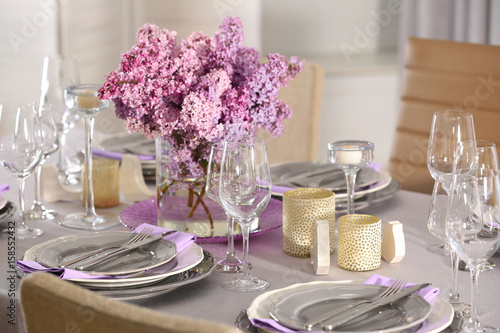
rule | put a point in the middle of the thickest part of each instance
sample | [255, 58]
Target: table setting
[163, 216]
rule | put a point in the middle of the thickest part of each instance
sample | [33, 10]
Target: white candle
[349, 157]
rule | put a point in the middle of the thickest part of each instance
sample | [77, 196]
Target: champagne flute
[245, 191]
[473, 229]
[351, 156]
[230, 263]
[50, 144]
[84, 99]
[449, 127]
[21, 149]
[59, 73]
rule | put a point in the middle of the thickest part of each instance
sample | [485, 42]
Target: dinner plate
[318, 175]
[184, 260]
[194, 274]
[145, 212]
[440, 317]
[295, 309]
[63, 249]
[7, 211]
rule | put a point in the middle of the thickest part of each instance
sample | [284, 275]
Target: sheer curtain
[472, 21]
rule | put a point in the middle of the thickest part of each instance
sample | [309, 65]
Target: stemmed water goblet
[351, 156]
[448, 128]
[472, 224]
[50, 144]
[59, 73]
[21, 149]
[85, 100]
[245, 191]
[230, 263]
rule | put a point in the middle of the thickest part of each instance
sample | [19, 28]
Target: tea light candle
[87, 102]
[349, 157]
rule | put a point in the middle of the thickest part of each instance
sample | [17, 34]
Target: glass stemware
[230, 263]
[245, 191]
[50, 144]
[59, 73]
[448, 128]
[85, 100]
[21, 145]
[473, 227]
[351, 156]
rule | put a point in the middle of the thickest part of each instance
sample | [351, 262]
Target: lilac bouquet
[192, 92]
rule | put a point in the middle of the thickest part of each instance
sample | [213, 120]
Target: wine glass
[351, 156]
[230, 263]
[245, 191]
[21, 149]
[473, 230]
[59, 73]
[448, 128]
[84, 99]
[50, 144]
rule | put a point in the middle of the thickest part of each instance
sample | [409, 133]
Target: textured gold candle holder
[359, 242]
[301, 209]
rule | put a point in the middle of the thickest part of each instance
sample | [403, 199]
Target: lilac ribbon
[4, 188]
[118, 156]
[428, 293]
[181, 239]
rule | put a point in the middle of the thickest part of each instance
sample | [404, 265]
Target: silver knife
[123, 249]
[344, 317]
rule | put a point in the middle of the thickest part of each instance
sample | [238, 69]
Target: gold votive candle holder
[301, 209]
[105, 182]
[359, 239]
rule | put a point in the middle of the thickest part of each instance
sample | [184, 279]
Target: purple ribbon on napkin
[428, 293]
[182, 240]
[118, 156]
[4, 188]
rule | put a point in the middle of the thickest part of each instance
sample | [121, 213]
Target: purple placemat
[145, 212]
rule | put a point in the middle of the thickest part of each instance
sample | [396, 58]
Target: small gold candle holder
[359, 242]
[301, 209]
[105, 182]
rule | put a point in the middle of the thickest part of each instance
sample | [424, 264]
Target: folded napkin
[428, 293]
[4, 188]
[181, 239]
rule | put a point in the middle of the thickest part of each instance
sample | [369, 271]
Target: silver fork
[143, 234]
[398, 285]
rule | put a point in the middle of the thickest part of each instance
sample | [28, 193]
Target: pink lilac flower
[199, 90]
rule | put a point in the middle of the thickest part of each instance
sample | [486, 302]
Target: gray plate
[197, 273]
[318, 175]
[55, 253]
[295, 309]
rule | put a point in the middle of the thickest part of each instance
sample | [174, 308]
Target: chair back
[442, 75]
[299, 141]
[50, 304]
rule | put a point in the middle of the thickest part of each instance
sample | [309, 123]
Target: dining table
[206, 299]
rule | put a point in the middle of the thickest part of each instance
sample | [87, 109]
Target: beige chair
[299, 141]
[440, 75]
[53, 305]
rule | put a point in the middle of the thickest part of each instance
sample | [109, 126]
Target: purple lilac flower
[199, 91]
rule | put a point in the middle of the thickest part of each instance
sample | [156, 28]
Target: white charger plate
[440, 317]
[186, 259]
[60, 250]
[295, 309]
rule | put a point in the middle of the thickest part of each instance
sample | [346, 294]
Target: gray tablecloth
[207, 299]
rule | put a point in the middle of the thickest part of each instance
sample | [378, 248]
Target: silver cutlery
[124, 249]
[344, 317]
[395, 287]
[143, 234]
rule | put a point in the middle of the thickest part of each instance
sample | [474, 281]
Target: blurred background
[360, 45]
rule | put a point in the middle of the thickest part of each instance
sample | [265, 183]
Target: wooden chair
[440, 75]
[299, 141]
[53, 305]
